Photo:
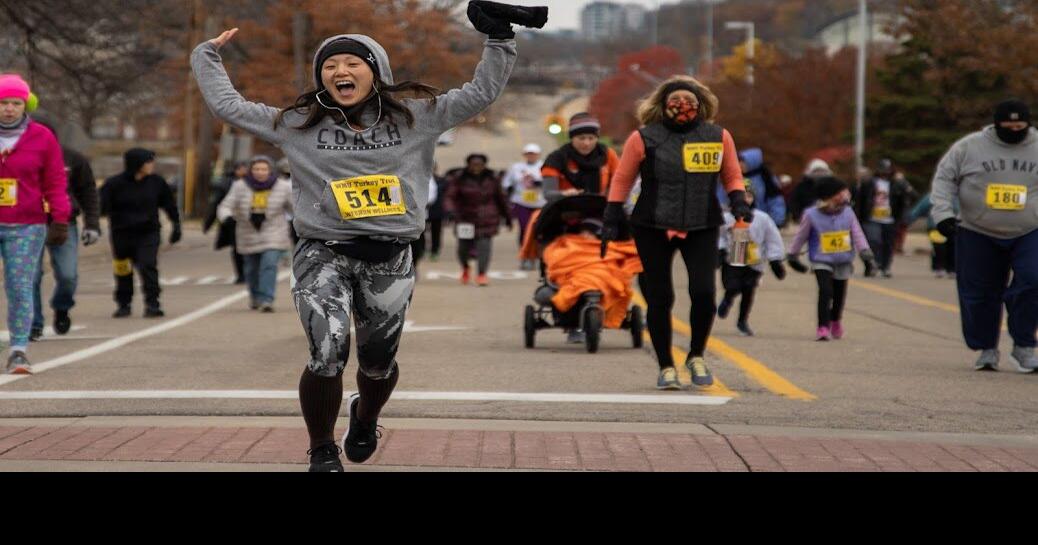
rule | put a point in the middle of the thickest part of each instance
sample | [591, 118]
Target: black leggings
[740, 281]
[700, 254]
[832, 295]
[746, 304]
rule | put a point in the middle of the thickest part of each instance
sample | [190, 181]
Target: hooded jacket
[971, 169]
[133, 205]
[766, 192]
[331, 152]
[35, 163]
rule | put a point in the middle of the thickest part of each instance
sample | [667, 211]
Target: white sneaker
[1026, 359]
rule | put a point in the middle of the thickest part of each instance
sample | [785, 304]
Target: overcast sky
[566, 13]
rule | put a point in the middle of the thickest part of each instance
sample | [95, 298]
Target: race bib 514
[702, 157]
[1006, 197]
[259, 200]
[369, 197]
[122, 267]
[8, 192]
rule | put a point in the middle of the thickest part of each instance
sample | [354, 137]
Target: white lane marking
[175, 281]
[493, 275]
[630, 399]
[48, 331]
[206, 280]
[124, 340]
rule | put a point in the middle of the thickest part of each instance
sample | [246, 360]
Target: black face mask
[1010, 136]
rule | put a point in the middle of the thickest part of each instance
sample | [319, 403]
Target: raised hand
[222, 39]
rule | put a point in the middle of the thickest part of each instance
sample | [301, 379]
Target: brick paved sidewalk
[496, 446]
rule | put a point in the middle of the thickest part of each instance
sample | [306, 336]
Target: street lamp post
[751, 40]
[859, 121]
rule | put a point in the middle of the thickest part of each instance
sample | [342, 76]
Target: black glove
[527, 16]
[722, 258]
[948, 227]
[176, 235]
[796, 265]
[740, 208]
[257, 220]
[494, 28]
[779, 269]
[613, 224]
[870, 260]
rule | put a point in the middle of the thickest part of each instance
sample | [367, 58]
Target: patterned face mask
[682, 110]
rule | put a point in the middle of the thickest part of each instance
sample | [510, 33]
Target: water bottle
[739, 248]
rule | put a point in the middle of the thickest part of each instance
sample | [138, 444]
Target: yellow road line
[753, 368]
[898, 294]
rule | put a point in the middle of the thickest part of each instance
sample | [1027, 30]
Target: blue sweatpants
[20, 249]
[983, 265]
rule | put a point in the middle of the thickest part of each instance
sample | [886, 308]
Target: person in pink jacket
[34, 208]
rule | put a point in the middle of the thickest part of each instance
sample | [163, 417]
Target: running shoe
[701, 375]
[482, 281]
[325, 459]
[122, 312]
[988, 361]
[668, 379]
[361, 439]
[62, 322]
[887, 273]
[267, 308]
[35, 334]
[465, 276]
[744, 329]
[254, 305]
[153, 312]
[723, 308]
[836, 330]
[18, 364]
[823, 334]
[1026, 358]
[575, 336]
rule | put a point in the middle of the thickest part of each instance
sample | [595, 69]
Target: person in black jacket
[880, 203]
[64, 259]
[225, 237]
[131, 201]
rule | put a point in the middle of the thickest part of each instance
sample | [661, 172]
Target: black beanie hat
[1012, 110]
[136, 158]
[346, 46]
[828, 187]
[677, 86]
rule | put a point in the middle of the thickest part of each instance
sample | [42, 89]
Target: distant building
[845, 31]
[610, 20]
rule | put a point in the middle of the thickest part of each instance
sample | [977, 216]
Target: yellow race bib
[701, 157]
[259, 200]
[881, 213]
[369, 197]
[122, 267]
[836, 242]
[8, 192]
[531, 196]
[752, 254]
[1007, 197]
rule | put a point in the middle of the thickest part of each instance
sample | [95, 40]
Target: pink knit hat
[13, 86]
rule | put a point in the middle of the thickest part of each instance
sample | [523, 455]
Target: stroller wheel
[637, 327]
[592, 328]
[529, 325]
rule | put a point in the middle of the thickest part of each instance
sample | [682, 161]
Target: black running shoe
[360, 440]
[35, 334]
[62, 322]
[122, 312]
[153, 312]
[325, 459]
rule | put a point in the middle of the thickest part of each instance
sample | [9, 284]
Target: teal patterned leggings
[20, 248]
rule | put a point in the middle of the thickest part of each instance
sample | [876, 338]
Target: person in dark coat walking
[478, 207]
[131, 201]
[225, 237]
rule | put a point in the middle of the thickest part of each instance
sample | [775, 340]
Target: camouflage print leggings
[330, 289]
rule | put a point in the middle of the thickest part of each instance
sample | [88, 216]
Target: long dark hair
[392, 107]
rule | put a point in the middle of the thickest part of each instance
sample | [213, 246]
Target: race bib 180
[1007, 197]
[8, 192]
[369, 197]
[702, 157]
[836, 242]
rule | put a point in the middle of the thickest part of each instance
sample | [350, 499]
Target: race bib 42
[369, 197]
[836, 242]
[701, 157]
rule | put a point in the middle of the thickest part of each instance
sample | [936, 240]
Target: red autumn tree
[616, 99]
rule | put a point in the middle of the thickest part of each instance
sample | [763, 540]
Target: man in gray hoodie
[361, 163]
[994, 175]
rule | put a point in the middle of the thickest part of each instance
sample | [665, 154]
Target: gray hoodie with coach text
[971, 169]
[329, 151]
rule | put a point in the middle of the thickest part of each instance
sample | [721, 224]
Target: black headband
[348, 47]
[677, 86]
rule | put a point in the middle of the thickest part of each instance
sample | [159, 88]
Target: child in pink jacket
[32, 185]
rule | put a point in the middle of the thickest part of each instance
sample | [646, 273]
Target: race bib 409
[701, 157]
